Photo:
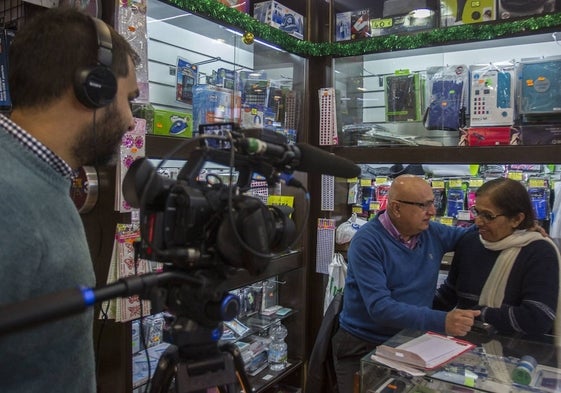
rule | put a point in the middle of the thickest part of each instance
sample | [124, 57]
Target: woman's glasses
[483, 216]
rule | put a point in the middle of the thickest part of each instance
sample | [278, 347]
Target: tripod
[195, 361]
[197, 365]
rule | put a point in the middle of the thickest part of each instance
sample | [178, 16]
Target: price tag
[365, 182]
[357, 209]
[516, 176]
[455, 183]
[475, 182]
[381, 23]
[437, 184]
[381, 180]
[537, 183]
[447, 220]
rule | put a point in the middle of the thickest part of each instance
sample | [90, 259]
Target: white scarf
[493, 291]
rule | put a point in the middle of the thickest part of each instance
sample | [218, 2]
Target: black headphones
[96, 86]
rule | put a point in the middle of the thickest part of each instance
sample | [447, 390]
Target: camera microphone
[302, 157]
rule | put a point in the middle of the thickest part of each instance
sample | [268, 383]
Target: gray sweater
[43, 249]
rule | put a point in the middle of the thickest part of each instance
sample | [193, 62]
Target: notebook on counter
[427, 351]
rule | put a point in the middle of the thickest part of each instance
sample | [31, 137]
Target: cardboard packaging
[279, 16]
[359, 22]
[492, 92]
[213, 104]
[540, 87]
[458, 12]
[173, 123]
[489, 136]
[521, 8]
[403, 96]
[540, 134]
[403, 16]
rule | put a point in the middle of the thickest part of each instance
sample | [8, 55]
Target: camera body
[206, 224]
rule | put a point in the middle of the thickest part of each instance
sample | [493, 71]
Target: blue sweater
[43, 249]
[390, 287]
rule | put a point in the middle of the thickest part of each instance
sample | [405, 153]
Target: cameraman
[59, 123]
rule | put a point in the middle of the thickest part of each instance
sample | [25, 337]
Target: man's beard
[98, 143]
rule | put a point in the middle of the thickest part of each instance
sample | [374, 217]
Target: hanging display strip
[325, 244]
[327, 117]
[327, 193]
[123, 265]
[133, 147]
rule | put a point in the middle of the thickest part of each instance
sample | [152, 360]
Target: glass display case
[471, 94]
[495, 364]
[204, 72]
[456, 111]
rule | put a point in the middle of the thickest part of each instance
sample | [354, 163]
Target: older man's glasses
[423, 205]
[483, 216]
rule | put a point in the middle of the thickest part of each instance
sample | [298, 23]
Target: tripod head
[195, 361]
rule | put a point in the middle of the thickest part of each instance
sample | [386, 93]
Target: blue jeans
[347, 352]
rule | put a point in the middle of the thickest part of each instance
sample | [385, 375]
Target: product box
[403, 96]
[523, 8]
[279, 16]
[488, 136]
[256, 116]
[186, 78]
[226, 78]
[458, 12]
[352, 25]
[240, 5]
[492, 91]
[173, 123]
[540, 134]
[540, 89]
[360, 24]
[447, 87]
[213, 104]
[401, 16]
[343, 26]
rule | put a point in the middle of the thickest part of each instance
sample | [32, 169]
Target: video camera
[204, 223]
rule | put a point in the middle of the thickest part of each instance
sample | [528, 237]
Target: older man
[394, 261]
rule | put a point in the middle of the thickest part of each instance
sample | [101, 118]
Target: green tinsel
[217, 11]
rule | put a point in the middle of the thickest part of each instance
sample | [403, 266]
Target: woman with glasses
[504, 269]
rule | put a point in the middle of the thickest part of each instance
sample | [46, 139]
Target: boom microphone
[302, 157]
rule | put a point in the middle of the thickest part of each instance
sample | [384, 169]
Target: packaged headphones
[96, 86]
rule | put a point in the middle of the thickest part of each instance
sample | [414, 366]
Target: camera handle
[43, 309]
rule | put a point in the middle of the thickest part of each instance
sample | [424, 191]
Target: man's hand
[538, 228]
[459, 322]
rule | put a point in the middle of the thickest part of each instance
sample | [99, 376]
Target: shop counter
[496, 364]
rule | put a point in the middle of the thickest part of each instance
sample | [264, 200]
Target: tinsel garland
[219, 12]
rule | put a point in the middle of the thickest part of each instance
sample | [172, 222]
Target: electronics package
[540, 86]
[492, 94]
[403, 96]
[459, 12]
[446, 106]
